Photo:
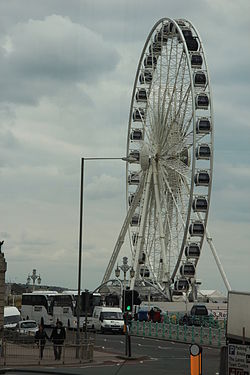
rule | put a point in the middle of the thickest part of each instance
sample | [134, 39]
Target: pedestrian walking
[58, 336]
[151, 314]
[40, 339]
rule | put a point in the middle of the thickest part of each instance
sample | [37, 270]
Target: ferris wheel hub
[144, 157]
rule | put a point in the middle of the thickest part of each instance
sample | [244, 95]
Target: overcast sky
[66, 75]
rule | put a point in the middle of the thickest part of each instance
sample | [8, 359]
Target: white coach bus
[38, 306]
[65, 308]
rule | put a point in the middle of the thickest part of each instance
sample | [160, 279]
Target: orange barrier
[195, 359]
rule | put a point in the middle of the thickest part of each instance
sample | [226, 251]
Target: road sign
[238, 359]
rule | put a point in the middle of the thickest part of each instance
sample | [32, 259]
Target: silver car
[27, 327]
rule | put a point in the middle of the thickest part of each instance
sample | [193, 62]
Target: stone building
[3, 267]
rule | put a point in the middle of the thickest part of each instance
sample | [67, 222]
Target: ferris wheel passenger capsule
[145, 77]
[131, 198]
[138, 114]
[202, 101]
[200, 79]
[160, 37]
[142, 258]
[135, 154]
[181, 284]
[155, 49]
[202, 178]
[192, 43]
[141, 95]
[187, 33]
[197, 228]
[133, 178]
[168, 28]
[203, 126]
[196, 60]
[192, 250]
[150, 61]
[203, 151]
[144, 271]
[181, 23]
[136, 135]
[200, 204]
[187, 270]
[135, 220]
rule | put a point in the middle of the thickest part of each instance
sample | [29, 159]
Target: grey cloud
[54, 51]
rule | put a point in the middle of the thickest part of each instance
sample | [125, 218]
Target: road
[164, 357]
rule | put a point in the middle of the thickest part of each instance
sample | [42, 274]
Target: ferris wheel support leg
[123, 231]
[162, 235]
[142, 229]
[217, 260]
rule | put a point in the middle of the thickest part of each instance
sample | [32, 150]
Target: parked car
[27, 327]
[11, 317]
[199, 316]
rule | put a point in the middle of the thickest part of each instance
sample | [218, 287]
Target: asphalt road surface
[158, 356]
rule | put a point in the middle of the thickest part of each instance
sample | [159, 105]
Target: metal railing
[181, 333]
[18, 352]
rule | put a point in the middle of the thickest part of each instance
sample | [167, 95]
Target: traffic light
[136, 298]
[131, 298]
[128, 300]
[85, 301]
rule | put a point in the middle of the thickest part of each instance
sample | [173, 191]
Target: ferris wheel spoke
[173, 94]
[178, 167]
[166, 135]
[159, 218]
[173, 197]
[166, 90]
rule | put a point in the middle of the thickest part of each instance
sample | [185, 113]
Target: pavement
[21, 356]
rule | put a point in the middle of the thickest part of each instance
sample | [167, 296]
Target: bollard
[195, 359]
[192, 334]
[143, 328]
[219, 337]
[137, 327]
[170, 331]
[185, 332]
[156, 329]
[210, 336]
[163, 329]
[150, 328]
[201, 335]
[177, 332]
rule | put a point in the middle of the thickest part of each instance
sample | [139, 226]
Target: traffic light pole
[128, 337]
[86, 313]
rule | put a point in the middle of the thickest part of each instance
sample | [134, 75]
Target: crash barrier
[183, 333]
[23, 353]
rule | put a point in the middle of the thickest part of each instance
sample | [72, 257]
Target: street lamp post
[128, 159]
[34, 277]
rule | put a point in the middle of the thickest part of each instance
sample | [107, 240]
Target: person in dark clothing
[40, 339]
[151, 314]
[58, 336]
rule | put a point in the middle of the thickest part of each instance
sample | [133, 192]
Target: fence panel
[182, 333]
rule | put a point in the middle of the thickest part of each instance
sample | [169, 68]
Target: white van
[11, 317]
[107, 319]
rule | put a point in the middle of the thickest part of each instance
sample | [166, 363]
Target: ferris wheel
[170, 143]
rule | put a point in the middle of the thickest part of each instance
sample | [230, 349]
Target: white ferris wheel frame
[148, 192]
